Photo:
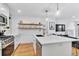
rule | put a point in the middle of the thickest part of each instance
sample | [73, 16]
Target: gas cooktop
[4, 37]
[5, 40]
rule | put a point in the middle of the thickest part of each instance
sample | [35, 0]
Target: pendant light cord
[57, 7]
[46, 11]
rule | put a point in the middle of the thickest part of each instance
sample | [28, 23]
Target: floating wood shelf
[30, 26]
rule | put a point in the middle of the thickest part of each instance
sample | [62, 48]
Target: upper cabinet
[4, 15]
[4, 9]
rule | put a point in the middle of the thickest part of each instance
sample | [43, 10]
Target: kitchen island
[53, 45]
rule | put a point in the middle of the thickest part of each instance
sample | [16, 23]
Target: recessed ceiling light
[58, 13]
[2, 8]
[73, 16]
[19, 11]
[46, 19]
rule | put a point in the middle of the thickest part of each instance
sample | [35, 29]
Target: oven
[7, 45]
[3, 20]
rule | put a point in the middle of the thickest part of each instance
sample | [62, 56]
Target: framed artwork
[51, 25]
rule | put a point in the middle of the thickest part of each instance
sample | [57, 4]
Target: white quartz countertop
[53, 39]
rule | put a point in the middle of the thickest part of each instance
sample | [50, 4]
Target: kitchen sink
[40, 35]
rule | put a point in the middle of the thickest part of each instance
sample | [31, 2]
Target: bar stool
[76, 45]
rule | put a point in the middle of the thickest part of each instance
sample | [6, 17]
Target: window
[60, 27]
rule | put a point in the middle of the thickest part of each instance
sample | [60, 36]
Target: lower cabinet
[57, 49]
[38, 49]
[7, 51]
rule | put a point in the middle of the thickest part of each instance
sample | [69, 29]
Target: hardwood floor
[75, 52]
[24, 50]
[27, 50]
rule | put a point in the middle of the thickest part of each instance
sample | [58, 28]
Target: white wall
[26, 35]
[76, 28]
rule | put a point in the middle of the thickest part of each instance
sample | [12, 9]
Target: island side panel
[38, 48]
[57, 49]
[0, 48]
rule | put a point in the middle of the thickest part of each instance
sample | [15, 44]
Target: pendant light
[58, 11]
[46, 11]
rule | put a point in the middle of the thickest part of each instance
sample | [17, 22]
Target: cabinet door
[57, 49]
[8, 50]
[38, 49]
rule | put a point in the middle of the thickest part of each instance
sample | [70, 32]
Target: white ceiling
[38, 9]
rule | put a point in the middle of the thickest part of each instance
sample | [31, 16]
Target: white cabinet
[4, 10]
[57, 49]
